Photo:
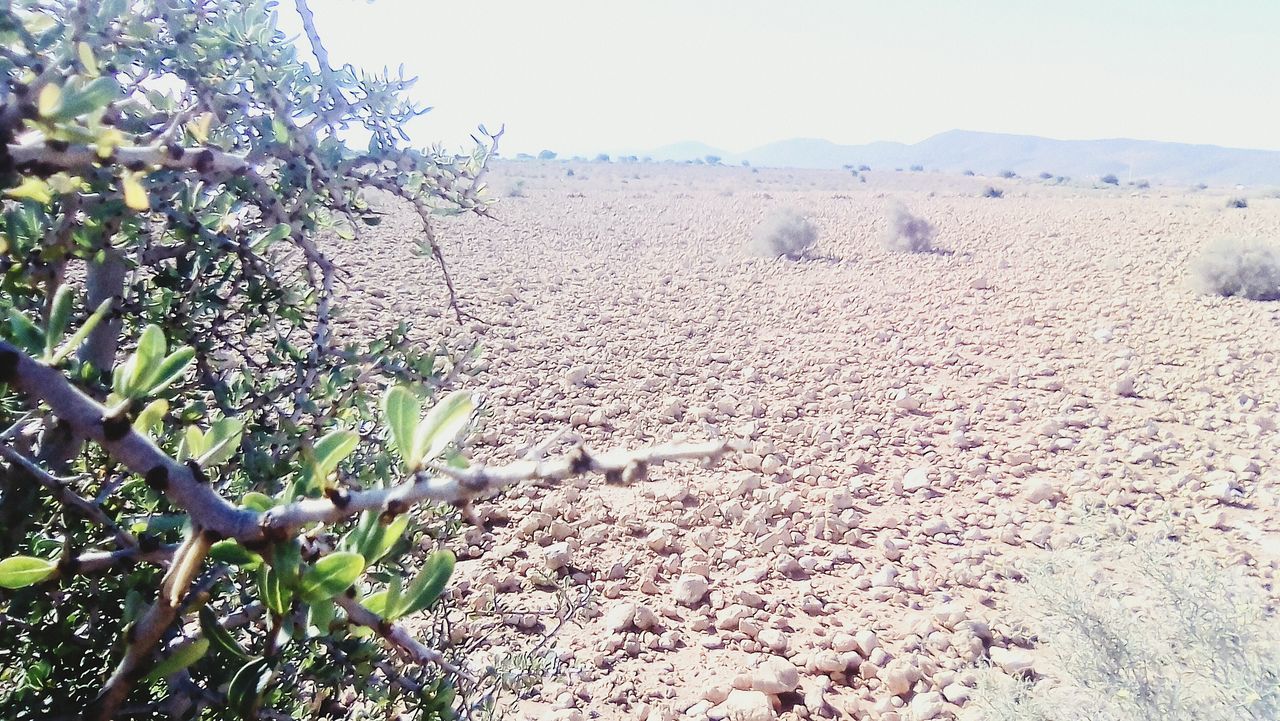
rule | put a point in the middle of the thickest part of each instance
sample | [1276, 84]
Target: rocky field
[915, 422]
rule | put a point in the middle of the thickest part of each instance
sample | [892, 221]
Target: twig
[398, 637]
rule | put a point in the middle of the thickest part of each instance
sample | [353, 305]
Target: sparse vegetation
[1244, 267]
[1046, 176]
[906, 233]
[1237, 201]
[515, 189]
[1008, 174]
[785, 232]
[917, 168]
[547, 155]
[1140, 627]
[602, 158]
[1110, 179]
[992, 192]
[967, 172]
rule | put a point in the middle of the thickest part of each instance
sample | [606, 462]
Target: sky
[581, 77]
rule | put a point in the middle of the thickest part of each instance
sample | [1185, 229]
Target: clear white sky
[583, 76]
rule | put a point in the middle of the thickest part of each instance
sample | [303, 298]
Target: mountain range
[1028, 155]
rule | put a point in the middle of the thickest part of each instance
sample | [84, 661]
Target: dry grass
[1137, 629]
[1244, 267]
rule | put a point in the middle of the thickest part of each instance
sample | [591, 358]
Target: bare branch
[85, 157]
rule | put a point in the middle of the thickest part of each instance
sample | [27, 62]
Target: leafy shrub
[1110, 179]
[785, 232]
[1237, 202]
[1243, 267]
[992, 192]
[907, 233]
[1140, 627]
[210, 507]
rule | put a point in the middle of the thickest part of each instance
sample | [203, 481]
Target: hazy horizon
[581, 78]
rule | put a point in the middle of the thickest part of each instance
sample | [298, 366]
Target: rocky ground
[915, 421]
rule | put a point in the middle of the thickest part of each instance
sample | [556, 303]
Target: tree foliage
[210, 506]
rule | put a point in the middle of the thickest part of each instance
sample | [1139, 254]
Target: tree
[547, 155]
[1110, 179]
[602, 158]
[209, 506]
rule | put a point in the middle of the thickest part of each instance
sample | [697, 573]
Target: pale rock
[1013, 661]
[748, 706]
[775, 675]
[689, 589]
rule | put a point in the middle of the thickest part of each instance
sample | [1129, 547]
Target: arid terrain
[915, 421]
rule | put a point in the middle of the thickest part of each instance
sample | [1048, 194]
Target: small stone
[1124, 386]
[689, 589]
[557, 556]
[748, 706]
[1040, 490]
[619, 618]
[776, 675]
[1013, 661]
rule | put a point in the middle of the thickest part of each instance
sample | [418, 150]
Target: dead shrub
[1245, 267]
[784, 232]
[907, 233]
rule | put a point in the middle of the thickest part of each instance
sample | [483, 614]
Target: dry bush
[1140, 628]
[784, 232]
[907, 233]
[1246, 267]
[992, 192]
[1237, 202]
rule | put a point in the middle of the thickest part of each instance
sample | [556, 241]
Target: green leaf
[150, 418]
[403, 410]
[391, 604]
[376, 603]
[321, 616]
[222, 441]
[280, 131]
[182, 657]
[382, 538]
[193, 443]
[443, 423]
[332, 449]
[142, 364]
[25, 333]
[357, 538]
[49, 101]
[87, 60]
[274, 595]
[93, 96]
[429, 584]
[231, 552]
[22, 571]
[58, 315]
[259, 502]
[220, 637]
[244, 693]
[286, 559]
[78, 337]
[170, 369]
[330, 576]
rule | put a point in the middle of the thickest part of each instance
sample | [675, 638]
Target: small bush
[1110, 179]
[785, 232]
[907, 233]
[863, 168]
[968, 172]
[1237, 202]
[917, 168]
[1008, 174]
[1046, 176]
[992, 192]
[1141, 629]
[1245, 267]
[568, 173]
[1143, 184]
[547, 155]
[516, 189]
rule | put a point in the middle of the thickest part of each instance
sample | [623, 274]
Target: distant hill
[1027, 155]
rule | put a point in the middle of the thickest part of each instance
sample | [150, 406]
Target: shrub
[515, 189]
[917, 168]
[1237, 202]
[568, 173]
[785, 232]
[863, 168]
[1243, 267]
[1008, 174]
[547, 155]
[1139, 627]
[211, 507]
[907, 233]
[1110, 179]
[602, 158]
[968, 172]
[992, 192]
[1143, 184]
[1046, 176]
